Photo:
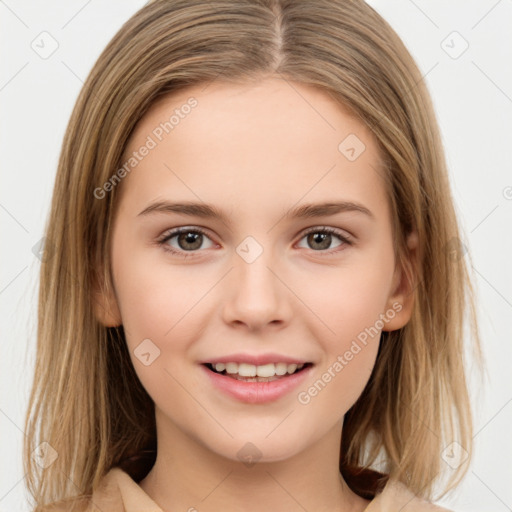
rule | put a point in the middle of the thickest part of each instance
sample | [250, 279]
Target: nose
[256, 295]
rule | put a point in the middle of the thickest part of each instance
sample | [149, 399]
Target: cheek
[349, 355]
[161, 308]
[155, 298]
[155, 306]
[348, 298]
[349, 304]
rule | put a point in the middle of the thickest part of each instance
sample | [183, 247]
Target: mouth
[259, 384]
[263, 373]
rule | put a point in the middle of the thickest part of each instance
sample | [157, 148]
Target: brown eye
[321, 239]
[183, 240]
[189, 241]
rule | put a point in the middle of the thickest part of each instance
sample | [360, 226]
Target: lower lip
[257, 392]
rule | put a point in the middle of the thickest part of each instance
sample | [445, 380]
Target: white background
[472, 95]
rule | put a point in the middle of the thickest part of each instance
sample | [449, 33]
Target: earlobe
[401, 300]
[105, 307]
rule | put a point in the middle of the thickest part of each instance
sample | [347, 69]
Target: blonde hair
[87, 402]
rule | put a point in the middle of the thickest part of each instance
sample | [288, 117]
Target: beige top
[118, 492]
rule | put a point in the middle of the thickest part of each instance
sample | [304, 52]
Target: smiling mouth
[251, 373]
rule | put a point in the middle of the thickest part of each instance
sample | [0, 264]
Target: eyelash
[186, 254]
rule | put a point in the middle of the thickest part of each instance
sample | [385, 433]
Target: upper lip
[256, 360]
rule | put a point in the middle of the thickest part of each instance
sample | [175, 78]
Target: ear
[401, 299]
[105, 306]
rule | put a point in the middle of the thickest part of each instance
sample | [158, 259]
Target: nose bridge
[258, 296]
[252, 263]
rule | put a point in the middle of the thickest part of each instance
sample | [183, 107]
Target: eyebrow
[305, 211]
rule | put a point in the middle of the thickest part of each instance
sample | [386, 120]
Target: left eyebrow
[307, 211]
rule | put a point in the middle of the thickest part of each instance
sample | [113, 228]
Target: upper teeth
[250, 370]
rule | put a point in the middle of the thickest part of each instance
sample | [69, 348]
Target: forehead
[273, 138]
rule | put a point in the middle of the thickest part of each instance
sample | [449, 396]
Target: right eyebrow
[193, 209]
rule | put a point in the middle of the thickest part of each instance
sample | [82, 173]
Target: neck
[189, 476]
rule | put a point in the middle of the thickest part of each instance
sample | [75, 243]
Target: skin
[254, 152]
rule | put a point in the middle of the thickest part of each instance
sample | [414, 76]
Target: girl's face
[257, 279]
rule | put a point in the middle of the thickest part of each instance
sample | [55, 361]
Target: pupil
[190, 238]
[323, 239]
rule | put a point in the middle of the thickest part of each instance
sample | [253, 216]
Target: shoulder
[77, 504]
[108, 495]
[397, 496]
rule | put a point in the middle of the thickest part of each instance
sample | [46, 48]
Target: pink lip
[257, 360]
[256, 392]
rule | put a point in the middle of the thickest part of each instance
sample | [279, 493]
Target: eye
[320, 239]
[187, 240]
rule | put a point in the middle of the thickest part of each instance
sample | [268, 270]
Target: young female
[256, 295]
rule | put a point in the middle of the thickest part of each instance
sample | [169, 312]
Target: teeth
[247, 370]
[267, 370]
[281, 368]
[250, 370]
[231, 367]
[292, 368]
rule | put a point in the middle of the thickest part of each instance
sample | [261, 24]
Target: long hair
[88, 412]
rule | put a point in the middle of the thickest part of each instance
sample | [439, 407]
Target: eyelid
[342, 233]
[171, 233]
[346, 239]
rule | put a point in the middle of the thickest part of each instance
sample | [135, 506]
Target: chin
[257, 450]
